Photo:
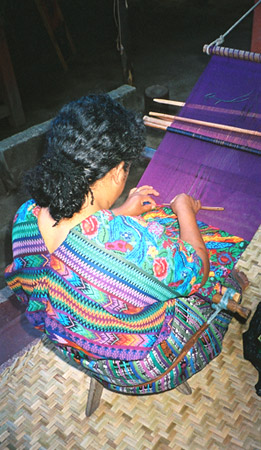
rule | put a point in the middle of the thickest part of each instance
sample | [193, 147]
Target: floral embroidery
[142, 242]
[156, 228]
[120, 246]
[160, 268]
[152, 251]
[36, 210]
[224, 258]
[90, 226]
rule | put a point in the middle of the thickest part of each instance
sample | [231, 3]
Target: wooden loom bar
[205, 124]
[256, 31]
[232, 53]
[164, 125]
[169, 102]
[214, 109]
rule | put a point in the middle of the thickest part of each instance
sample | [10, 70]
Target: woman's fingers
[132, 191]
[144, 190]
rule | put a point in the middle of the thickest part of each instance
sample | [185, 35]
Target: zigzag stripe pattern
[95, 305]
[43, 399]
[103, 281]
[160, 358]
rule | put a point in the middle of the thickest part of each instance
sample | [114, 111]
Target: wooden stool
[94, 397]
[95, 393]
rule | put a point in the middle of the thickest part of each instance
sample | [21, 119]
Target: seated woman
[118, 290]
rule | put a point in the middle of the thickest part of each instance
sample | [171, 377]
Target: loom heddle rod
[157, 124]
[205, 124]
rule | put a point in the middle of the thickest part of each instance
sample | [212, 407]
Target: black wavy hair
[87, 139]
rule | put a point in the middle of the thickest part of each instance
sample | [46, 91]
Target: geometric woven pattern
[43, 400]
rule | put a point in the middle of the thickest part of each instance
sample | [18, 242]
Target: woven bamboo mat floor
[43, 400]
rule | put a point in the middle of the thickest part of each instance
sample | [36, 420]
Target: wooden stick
[166, 126]
[208, 208]
[214, 109]
[163, 123]
[169, 102]
[189, 344]
[205, 124]
[155, 125]
[231, 306]
[213, 208]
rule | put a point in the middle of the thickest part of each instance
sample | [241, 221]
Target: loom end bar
[232, 53]
[233, 306]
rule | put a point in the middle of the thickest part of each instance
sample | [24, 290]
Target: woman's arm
[186, 208]
[183, 205]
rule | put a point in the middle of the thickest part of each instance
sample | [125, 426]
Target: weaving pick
[208, 208]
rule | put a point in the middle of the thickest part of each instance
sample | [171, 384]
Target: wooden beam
[12, 97]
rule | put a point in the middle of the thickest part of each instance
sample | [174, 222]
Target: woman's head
[87, 139]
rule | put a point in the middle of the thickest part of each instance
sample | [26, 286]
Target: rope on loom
[120, 8]
[117, 20]
[221, 39]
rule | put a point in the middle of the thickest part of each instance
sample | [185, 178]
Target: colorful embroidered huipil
[112, 296]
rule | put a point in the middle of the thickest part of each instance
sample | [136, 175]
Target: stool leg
[94, 397]
[184, 388]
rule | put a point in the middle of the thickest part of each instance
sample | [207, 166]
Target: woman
[118, 290]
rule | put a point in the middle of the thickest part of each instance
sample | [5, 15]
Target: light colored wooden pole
[170, 118]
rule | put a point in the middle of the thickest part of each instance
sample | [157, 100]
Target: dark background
[165, 47]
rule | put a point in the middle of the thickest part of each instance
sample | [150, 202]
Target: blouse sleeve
[184, 268]
[174, 262]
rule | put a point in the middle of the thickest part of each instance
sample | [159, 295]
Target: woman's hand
[139, 201]
[184, 201]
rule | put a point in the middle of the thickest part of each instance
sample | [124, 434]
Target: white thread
[221, 39]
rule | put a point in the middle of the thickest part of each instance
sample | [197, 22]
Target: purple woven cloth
[228, 92]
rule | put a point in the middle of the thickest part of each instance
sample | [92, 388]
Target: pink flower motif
[90, 226]
[108, 214]
[155, 228]
[120, 246]
[171, 232]
[169, 244]
[36, 210]
[160, 268]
